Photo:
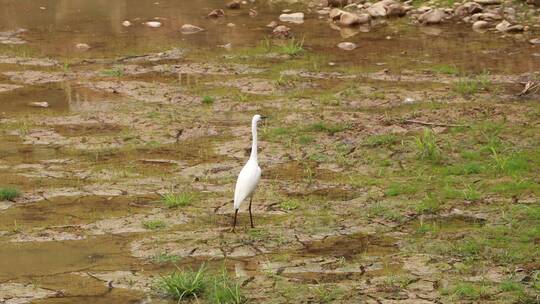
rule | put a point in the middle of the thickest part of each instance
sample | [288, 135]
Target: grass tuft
[226, 290]
[175, 200]
[9, 193]
[292, 47]
[183, 285]
[427, 147]
[154, 224]
[207, 100]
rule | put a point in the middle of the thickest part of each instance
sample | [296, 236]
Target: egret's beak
[264, 117]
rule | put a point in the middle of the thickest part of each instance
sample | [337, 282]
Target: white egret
[249, 176]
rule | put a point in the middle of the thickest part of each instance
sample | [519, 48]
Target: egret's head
[258, 118]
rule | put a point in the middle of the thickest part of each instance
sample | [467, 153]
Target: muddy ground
[404, 171]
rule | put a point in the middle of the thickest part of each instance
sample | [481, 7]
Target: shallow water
[56, 29]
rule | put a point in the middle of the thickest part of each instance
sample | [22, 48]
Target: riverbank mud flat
[400, 159]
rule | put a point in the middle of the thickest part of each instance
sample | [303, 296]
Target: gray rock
[347, 46]
[488, 2]
[349, 19]
[154, 24]
[434, 16]
[233, 5]
[190, 29]
[39, 104]
[281, 31]
[468, 8]
[377, 10]
[480, 25]
[82, 46]
[293, 18]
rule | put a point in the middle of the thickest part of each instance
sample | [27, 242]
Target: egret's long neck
[254, 143]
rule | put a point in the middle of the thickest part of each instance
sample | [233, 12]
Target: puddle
[56, 30]
[26, 260]
[66, 211]
[349, 247]
[13, 151]
[61, 97]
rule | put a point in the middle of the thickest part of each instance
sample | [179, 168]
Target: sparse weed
[289, 205]
[154, 224]
[427, 147]
[207, 100]
[226, 290]
[380, 140]
[328, 128]
[292, 47]
[112, 73]
[162, 258]
[446, 69]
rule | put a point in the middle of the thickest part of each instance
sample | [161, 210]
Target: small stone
[42, 8]
[82, 46]
[216, 13]
[272, 24]
[480, 25]
[434, 16]
[153, 24]
[233, 5]
[503, 26]
[535, 41]
[286, 11]
[281, 31]
[347, 46]
[293, 18]
[488, 2]
[350, 19]
[409, 100]
[231, 24]
[190, 29]
[377, 10]
[337, 3]
[126, 23]
[227, 46]
[39, 104]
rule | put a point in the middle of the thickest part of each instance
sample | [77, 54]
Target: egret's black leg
[234, 223]
[250, 216]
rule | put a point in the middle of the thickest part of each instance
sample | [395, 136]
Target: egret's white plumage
[249, 176]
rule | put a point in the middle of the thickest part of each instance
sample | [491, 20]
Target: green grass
[429, 205]
[427, 147]
[163, 258]
[289, 205]
[471, 86]
[154, 224]
[183, 285]
[9, 193]
[381, 140]
[292, 47]
[112, 73]
[226, 290]
[446, 69]
[175, 200]
[187, 285]
[468, 291]
[326, 127]
[207, 100]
